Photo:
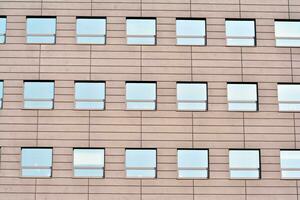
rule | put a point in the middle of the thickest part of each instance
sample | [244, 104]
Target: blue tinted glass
[88, 172]
[91, 26]
[193, 173]
[41, 26]
[140, 91]
[141, 173]
[85, 90]
[290, 159]
[190, 28]
[288, 92]
[141, 158]
[38, 90]
[141, 26]
[2, 29]
[192, 158]
[244, 159]
[240, 28]
[191, 91]
[36, 172]
[294, 174]
[35, 157]
[249, 174]
[287, 29]
[242, 92]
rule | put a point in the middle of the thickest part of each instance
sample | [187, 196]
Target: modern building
[149, 99]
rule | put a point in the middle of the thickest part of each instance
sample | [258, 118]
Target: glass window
[287, 33]
[89, 95]
[1, 94]
[289, 97]
[192, 96]
[141, 31]
[240, 32]
[88, 162]
[2, 30]
[242, 96]
[191, 31]
[91, 30]
[38, 95]
[192, 163]
[141, 163]
[41, 30]
[290, 164]
[36, 162]
[141, 96]
[244, 164]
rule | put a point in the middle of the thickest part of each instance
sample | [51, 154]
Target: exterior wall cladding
[165, 129]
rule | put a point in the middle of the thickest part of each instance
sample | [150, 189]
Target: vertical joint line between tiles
[240, 9]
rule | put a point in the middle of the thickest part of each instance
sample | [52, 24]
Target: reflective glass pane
[141, 31]
[244, 159]
[91, 30]
[240, 32]
[290, 159]
[190, 32]
[38, 95]
[89, 95]
[139, 158]
[192, 158]
[242, 92]
[36, 161]
[289, 97]
[38, 104]
[192, 173]
[244, 174]
[294, 174]
[141, 96]
[41, 30]
[141, 173]
[192, 106]
[88, 162]
[242, 106]
[2, 29]
[192, 91]
[287, 29]
[1, 89]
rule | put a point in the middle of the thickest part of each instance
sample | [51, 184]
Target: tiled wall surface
[165, 129]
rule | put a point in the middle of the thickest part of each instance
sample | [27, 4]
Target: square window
[36, 162]
[90, 95]
[141, 31]
[289, 97]
[240, 32]
[140, 163]
[192, 96]
[2, 30]
[192, 163]
[290, 164]
[140, 96]
[38, 95]
[244, 164]
[287, 33]
[191, 31]
[88, 163]
[242, 96]
[91, 30]
[41, 30]
[1, 94]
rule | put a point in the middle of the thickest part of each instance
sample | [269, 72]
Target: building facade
[259, 127]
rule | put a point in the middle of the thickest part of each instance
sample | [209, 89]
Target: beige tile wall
[165, 129]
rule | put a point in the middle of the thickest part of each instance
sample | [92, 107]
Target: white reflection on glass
[287, 33]
[141, 96]
[244, 164]
[290, 164]
[242, 97]
[141, 163]
[1, 94]
[192, 163]
[36, 162]
[2, 30]
[91, 30]
[38, 95]
[89, 95]
[192, 96]
[141, 31]
[190, 32]
[41, 30]
[240, 32]
[89, 162]
[289, 97]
